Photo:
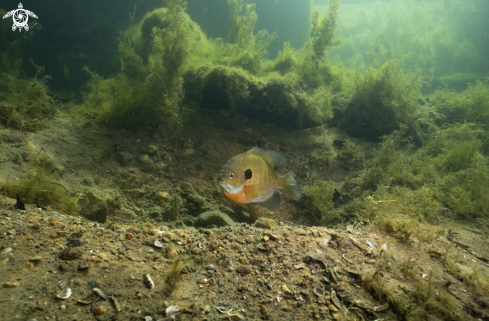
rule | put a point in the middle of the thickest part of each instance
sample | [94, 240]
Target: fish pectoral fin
[258, 192]
[273, 202]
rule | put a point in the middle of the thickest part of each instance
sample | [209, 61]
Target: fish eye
[231, 175]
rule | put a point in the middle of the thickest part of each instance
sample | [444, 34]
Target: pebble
[70, 254]
[243, 270]
[62, 233]
[265, 223]
[10, 285]
[35, 258]
[100, 310]
[6, 251]
[286, 290]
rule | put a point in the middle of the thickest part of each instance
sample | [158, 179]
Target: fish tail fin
[291, 187]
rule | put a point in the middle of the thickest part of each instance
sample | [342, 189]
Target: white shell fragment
[6, 251]
[149, 282]
[100, 293]
[65, 294]
[89, 298]
[172, 310]
[371, 244]
[158, 244]
[223, 310]
[319, 291]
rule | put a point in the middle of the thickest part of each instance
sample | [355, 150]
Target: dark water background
[440, 38]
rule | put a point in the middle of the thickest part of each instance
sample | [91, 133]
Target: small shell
[100, 293]
[117, 306]
[335, 300]
[223, 310]
[346, 259]
[89, 298]
[381, 308]
[6, 251]
[158, 244]
[371, 244]
[172, 310]
[65, 294]
[319, 291]
[148, 282]
[243, 270]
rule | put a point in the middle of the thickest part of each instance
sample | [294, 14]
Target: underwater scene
[244, 160]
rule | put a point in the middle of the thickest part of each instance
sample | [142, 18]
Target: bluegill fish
[251, 178]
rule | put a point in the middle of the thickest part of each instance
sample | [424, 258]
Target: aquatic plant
[246, 49]
[381, 101]
[176, 268]
[43, 186]
[27, 105]
[458, 108]
[149, 95]
[324, 30]
[317, 203]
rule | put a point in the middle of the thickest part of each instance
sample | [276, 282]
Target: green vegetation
[324, 30]
[245, 48]
[176, 268]
[317, 203]
[425, 300]
[43, 186]
[381, 101]
[26, 104]
[149, 95]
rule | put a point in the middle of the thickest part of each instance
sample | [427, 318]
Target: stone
[195, 201]
[145, 160]
[189, 151]
[216, 218]
[10, 285]
[89, 181]
[124, 157]
[151, 150]
[70, 254]
[95, 208]
[100, 310]
[263, 222]
[172, 209]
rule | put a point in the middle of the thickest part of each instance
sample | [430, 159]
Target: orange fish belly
[239, 197]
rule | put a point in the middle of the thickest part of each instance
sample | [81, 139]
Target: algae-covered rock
[172, 209]
[124, 157]
[145, 160]
[95, 209]
[196, 203]
[278, 100]
[217, 218]
[263, 222]
[151, 150]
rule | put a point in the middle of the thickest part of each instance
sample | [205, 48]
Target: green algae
[148, 95]
[43, 186]
[381, 101]
[26, 104]
[317, 203]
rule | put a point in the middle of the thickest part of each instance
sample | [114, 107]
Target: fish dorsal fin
[275, 159]
[273, 202]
